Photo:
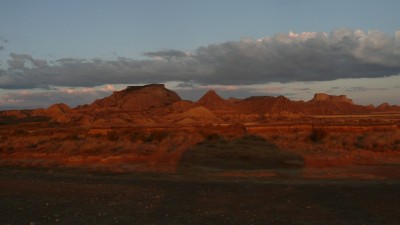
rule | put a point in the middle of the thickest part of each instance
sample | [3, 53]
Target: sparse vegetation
[252, 137]
[156, 136]
[215, 137]
[20, 132]
[73, 136]
[213, 146]
[318, 134]
[112, 135]
[136, 136]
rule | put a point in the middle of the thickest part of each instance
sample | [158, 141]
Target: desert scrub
[137, 136]
[252, 137]
[157, 136]
[112, 135]
[20, 132]
[215, 137]
[377, 141]
[318, 134]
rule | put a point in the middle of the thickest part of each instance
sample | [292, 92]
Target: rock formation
[137, 98]
[326, 97]
[211, 100]
[155, 105]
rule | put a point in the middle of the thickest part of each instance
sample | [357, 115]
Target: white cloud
[29, 99]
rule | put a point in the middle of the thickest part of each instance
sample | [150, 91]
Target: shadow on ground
[248, 152]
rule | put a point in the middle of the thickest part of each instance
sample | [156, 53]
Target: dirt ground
[32, 196]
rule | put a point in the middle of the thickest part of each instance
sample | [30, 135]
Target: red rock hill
[156, 105]
[138, 98]
[211, 100]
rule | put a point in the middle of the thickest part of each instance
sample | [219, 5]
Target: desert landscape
[185, 157]
[151, 129]
[199, 112]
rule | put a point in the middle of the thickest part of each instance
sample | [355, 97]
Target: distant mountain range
[155, 105]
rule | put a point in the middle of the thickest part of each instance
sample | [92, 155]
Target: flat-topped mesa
[326, 97]
[138, 98]
[148, 86]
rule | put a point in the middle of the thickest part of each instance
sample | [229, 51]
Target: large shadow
[248, 152]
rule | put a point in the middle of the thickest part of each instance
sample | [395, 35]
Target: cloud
[166, 54]
[28, 99]
[26, 72]
[302, 89]
[363, 89]
[23, 61]
[184, 85]
[309, 56]
[3, 40]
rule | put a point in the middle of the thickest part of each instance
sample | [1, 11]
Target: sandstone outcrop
[334, 98]
[211, 100]
[137, 98]
[155, 105]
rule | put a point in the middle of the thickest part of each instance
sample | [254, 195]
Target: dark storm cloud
[311, 56]
[1, 48]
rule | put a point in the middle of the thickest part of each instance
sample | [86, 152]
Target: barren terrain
[144, 156]
[73, 197]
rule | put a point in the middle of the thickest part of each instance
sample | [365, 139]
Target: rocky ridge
[155, 105]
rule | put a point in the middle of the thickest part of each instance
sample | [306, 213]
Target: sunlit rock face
[155, 105]
[211, 100]
[138, 98]
[326, 97]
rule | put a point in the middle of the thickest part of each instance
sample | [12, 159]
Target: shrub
[137, 136]
[252, 137]
[215, 137]
[318, 134]
[360, 142]
[157, 136]
[112, 135]
[3, 138]
[21, 132]
[73, 136]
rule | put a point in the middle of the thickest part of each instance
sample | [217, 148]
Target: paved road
[43, 197]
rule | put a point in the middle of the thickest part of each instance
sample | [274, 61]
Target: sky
[74, 51]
